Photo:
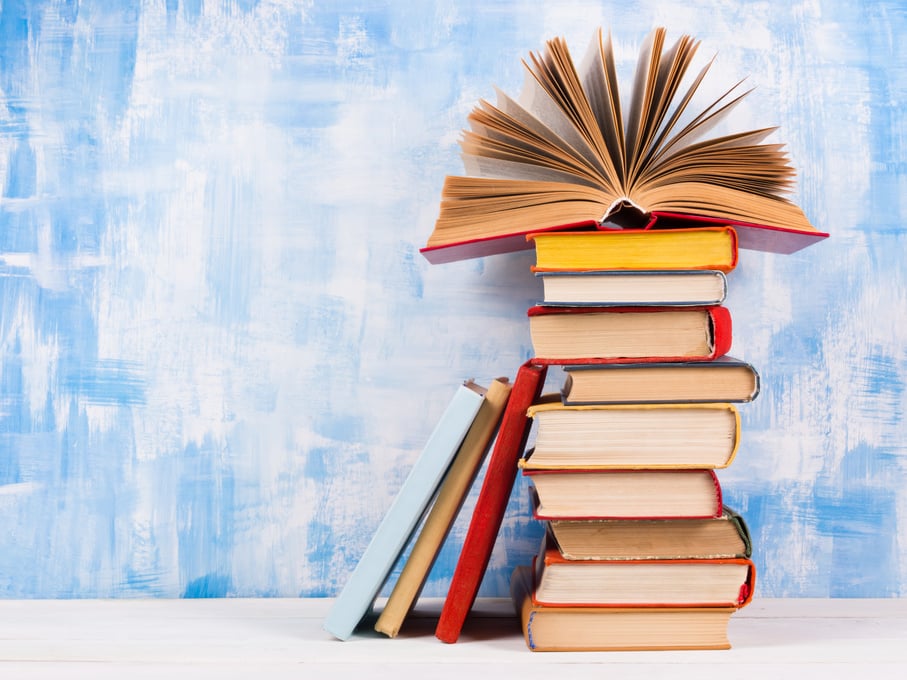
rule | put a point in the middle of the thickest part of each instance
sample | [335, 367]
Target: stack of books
[636, 215]
[639, 550]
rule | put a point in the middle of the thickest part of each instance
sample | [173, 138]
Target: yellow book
[451, 495]
[636, 249]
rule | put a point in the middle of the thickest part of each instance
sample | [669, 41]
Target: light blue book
[398, 525]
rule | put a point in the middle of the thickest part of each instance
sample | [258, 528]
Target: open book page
[646, 67]
[535, 98]
[497, 134]
[599, 78]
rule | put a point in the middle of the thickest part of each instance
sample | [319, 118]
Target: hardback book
[650, 539]
[725, 379]
[632, 436]
[579, 335]
[550, 628]
[572, 150]
[636, 249]
[725, 582]
[393, 533]
[444, 510]
[633, 288]
[626, 494]
[491, 503]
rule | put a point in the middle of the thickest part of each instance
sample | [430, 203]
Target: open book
[569, 153]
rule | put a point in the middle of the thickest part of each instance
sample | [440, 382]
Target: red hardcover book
[712, 582]
[587, 335]
[491, 503]
[751, 236]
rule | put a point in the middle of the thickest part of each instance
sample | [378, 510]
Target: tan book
[447, 504]
[578, 335]
[626, 494]
[725, 379]
[599, 629]
[632, 436]
[650, 539]
[712, 582]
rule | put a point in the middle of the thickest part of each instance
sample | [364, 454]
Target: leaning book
[409, 506]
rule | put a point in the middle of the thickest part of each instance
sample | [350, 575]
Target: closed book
[626, 494]
[724, 582]
[639, 249]
[650, 539]
[549, 628]
[444, 510]
[632, 436]
[633, 288]
[358, 595]
[725, 379]
[491, 503]
[581, 335]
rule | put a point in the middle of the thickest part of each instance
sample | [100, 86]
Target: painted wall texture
[221, 351]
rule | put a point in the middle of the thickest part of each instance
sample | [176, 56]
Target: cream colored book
[598, 629]
[632, 436]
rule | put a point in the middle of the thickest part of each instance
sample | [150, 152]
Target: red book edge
[744, 594]
[719, 500]
[721, 330]
[491, 503]
[750, 236]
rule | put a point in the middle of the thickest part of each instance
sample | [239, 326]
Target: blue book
[398, 525]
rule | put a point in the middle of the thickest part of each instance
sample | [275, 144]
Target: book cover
[549, 628]
[394, 531]
[636, 249]
[725, 379]
[632, 436]
[583, 335]
[491, 503]
[612, 288]
[444, 510]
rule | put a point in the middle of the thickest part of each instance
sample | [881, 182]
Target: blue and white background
[221, 352]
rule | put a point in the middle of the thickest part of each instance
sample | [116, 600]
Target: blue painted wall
[220, 350]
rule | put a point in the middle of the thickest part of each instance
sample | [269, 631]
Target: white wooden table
[282, 638]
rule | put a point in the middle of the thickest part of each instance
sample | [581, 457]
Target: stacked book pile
[636, 215]
[639, 551]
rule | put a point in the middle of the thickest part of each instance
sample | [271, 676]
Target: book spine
[491, 502]
[722, 331]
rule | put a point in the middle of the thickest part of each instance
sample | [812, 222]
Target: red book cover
[751, 237]
[720, 330]
[491, 503]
